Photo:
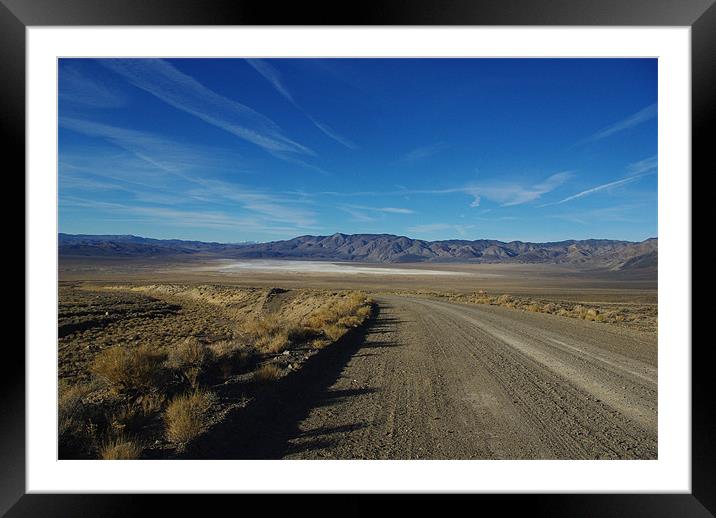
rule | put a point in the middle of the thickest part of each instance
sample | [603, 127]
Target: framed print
[417, 250]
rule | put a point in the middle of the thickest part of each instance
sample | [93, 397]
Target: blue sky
[236, 150]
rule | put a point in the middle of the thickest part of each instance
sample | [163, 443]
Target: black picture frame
[700, 15]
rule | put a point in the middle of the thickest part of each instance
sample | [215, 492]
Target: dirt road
[439, 380]
[436, 380]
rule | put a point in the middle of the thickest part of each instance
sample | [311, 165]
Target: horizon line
[357, 234]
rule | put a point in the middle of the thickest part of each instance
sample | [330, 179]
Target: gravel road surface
[436, 380]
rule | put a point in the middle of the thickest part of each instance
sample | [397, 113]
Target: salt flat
[327, 267]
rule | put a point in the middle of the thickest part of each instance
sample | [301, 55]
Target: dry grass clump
[129, 368]
[549, 308]
[266, 373]
[78, 419]
[335, 331]
[334, 321]
[584, 313]
[226, 349]
[273, 334]
[133, 417]
[503, 299]
[151, 403]
[87, 413]
[229, 356]
[128, 418]
[270, 333]
[71, 410]
[186, 416]
[190, 357]
[120, 448]
[319, 343]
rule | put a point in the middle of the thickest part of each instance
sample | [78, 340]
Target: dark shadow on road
[328, 399]
[335, 429]
[263, 429]
[381, 345]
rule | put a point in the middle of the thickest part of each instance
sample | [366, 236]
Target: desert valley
[357, 346]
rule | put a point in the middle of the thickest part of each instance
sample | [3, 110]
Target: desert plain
[262, 359]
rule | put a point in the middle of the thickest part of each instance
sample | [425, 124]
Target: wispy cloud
[107, 168]
[171, 159]
[77, 88]
[271, 206]
[179, 217]
[389, 210]
[643, 166]
[157, 151]
[499, 218]
[361, 212]
[619, 214]
[424, 152]
[165, 215]
[635, 171]
[596, 189]
[431, 228]
[166, 82]
[69, 179]
[273, 76]
[395, 210]
[358, 214]
[510, 194]
[505, 193]
[635, 119]
[330, 132]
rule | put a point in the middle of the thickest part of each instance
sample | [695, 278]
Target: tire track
[571, 423]
[446, 381]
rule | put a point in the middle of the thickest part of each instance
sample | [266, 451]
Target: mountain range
[378, 248]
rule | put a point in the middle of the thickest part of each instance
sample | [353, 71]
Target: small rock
[286, 353]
